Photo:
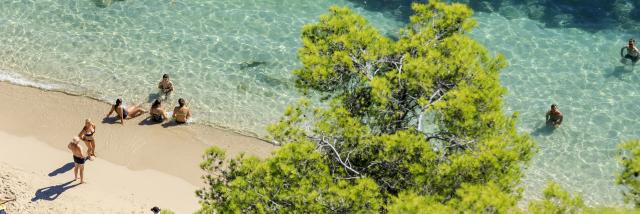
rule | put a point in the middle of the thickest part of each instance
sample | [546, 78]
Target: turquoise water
[232, 60]
[581, 72]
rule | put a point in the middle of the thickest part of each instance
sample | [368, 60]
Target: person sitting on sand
[165, 85]
[157, 112]
[181, 113]
[554, 116]
[78, 158]
[125, 113]
[86, 134]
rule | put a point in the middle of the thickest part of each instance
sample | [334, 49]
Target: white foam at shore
[6, 76]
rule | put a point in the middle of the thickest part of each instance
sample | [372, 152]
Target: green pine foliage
[404, 125]
[629, 159]
[557, 200]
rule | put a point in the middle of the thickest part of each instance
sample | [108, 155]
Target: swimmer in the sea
[632, 51]
[554, 116]
[165, 85]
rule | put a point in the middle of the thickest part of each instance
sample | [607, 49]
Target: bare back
[182, 114]
[75, 149]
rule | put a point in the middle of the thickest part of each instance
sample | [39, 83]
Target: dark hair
[554, 106]
[118, 102]
[155, 104]
[165, 76]
[155, 210]
[181, 102]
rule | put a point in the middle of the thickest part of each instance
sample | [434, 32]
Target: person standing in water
[554, 116]
[78, 158]
[632, 51]
[165, 86]
[86, 134]
[181, 113]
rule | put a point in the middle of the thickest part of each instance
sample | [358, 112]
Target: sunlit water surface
[232, 60]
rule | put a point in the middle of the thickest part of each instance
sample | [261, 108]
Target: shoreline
[53, 117]
[7, 77]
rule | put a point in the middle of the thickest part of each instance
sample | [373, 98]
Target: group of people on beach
[180, 114]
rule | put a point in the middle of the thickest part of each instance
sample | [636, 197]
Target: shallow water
[581, 72]
[232, 59]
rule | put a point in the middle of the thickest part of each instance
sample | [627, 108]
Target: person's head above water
[165, 76]
[554, 107]
[181, 102]
[632, 42]
[155, 104]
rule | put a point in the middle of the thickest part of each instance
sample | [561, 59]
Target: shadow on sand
[62, 169]
[148, 122]
[52, 192]
[110, 120]
[170, 124]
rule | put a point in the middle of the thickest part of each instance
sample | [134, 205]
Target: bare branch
[336, 154]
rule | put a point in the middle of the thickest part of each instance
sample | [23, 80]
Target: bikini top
[87, 133]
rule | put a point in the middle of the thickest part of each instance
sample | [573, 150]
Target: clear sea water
[232, 59]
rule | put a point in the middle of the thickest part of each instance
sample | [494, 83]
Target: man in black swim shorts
[78, 158]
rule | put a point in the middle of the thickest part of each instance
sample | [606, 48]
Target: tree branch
[323, 143]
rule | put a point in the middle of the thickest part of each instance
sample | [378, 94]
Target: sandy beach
[138, 165]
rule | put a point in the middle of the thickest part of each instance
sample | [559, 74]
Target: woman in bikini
[157, 112]
[181, 113]
[86, 135]
[125, 113]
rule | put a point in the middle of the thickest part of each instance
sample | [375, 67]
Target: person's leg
[135, 111]
[81, 173]
[88, 144]
[93, 147]
[75, 171]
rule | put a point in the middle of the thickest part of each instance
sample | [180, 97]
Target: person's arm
[81, 134]
[164, 114]
[160, 85]
[170, 87]
[111, 111]
[560, 120]
[120, 115]
[173, 115]
[547, 116]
